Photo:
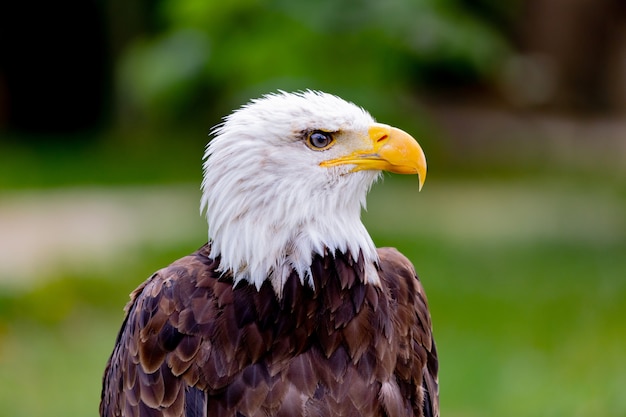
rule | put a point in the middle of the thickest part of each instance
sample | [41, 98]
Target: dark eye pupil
[320, 139]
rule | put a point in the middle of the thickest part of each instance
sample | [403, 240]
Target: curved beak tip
[421, 170]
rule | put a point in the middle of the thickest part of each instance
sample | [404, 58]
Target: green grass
[55, 370]
[526, 281]
[528, 330]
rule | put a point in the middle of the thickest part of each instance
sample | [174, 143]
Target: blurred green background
[519, 235]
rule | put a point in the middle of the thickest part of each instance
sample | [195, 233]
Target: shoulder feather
[417, 365]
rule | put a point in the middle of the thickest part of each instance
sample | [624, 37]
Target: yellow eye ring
[319, 140]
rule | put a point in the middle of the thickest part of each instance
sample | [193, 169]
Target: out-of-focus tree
[218, 54]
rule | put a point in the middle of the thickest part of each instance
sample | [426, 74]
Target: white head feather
[269, 204]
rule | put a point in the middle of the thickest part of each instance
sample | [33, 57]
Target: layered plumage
[289, 310]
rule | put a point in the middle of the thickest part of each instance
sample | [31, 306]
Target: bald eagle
[289, 309]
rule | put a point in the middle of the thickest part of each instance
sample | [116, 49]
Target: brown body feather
[194, 345]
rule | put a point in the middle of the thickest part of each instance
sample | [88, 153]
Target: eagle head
[285, 177]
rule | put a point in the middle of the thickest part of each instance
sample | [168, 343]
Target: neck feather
[264, 231]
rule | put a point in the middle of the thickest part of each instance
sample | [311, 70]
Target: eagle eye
[319, 140]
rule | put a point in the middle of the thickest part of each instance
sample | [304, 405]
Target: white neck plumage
[262, 232]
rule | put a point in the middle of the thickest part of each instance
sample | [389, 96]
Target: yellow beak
[391, 150]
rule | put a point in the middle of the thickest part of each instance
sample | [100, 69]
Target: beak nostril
[382, 138]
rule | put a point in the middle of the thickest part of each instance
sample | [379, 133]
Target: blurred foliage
[219, 54]
[193, 61]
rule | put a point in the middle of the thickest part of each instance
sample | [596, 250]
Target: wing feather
[151, 369]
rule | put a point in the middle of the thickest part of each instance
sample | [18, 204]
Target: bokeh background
[519, 235]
